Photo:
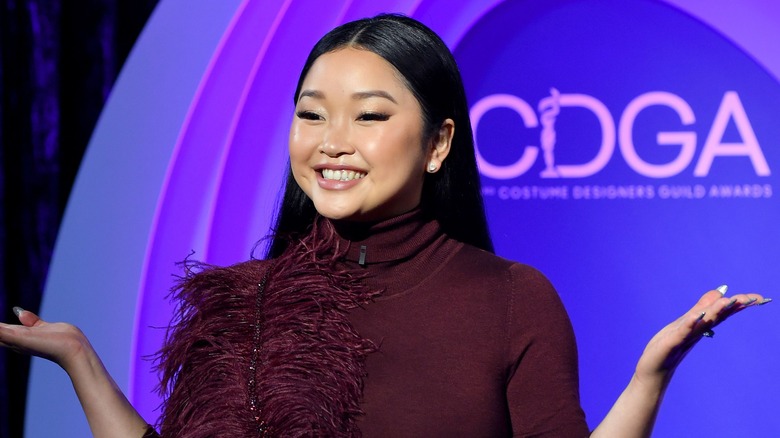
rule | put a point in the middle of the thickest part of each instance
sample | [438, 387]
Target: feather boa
[310, 360]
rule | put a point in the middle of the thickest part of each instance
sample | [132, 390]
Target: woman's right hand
[59, 342]
[108, 412]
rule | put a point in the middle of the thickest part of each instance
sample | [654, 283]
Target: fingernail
[731, 303]
[701, 316]
[17, 311]
[751, 301]
[722, 289]
[765, 301]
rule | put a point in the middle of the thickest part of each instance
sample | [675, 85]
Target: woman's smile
[356, 141]
[341, 175]
[338, 177]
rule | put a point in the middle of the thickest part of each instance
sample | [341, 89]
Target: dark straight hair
[452, 195]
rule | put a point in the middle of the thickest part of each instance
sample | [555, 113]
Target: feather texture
[310, 361]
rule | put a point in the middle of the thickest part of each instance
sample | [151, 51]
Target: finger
[710, 297]
[705, 309]
[11, 336]
[704, 315]
[699, 326]
[27, 318]
[9, 344]
[722, 309]
[739, 303]
[50, 341]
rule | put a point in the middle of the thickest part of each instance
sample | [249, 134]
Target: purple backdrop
[644, 179]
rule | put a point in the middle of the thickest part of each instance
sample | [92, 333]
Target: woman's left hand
[634, 412]
[670, 345]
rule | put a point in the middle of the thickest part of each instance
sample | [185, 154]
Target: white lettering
[754, 191]
[533, 192]
[697, 191]
[607, 136]
[613, 192]
[528, 158]
[731, 108]
[687, 140]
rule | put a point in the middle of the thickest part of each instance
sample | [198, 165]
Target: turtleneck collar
[396, 239]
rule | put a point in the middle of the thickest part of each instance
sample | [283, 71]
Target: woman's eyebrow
[314, 94]
[373, 93]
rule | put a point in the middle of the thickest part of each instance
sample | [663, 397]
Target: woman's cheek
[299, 161]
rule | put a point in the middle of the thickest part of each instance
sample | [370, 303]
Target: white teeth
[341, 175]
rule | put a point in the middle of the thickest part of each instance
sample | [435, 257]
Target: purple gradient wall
[190, 151]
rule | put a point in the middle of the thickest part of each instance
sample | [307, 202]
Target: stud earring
[432, 168]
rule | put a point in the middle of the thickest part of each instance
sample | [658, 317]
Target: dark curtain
[58, 62]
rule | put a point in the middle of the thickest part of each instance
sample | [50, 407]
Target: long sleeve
[543, 386]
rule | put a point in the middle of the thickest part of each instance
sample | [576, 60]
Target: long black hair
[452, 195]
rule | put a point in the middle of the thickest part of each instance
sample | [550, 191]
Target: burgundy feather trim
[310, 360]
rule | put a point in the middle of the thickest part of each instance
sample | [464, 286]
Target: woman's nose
[336, 141]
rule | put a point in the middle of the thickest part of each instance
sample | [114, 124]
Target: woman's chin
[348, 215]
[337, 213]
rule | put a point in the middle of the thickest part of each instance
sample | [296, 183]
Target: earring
[432, 168]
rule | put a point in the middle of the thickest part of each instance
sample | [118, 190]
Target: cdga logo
[714, 146]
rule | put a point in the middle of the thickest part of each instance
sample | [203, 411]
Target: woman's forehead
[355, 68]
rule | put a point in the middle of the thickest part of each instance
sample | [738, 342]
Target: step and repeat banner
[628, 149]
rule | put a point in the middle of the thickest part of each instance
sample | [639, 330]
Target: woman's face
[356, 143]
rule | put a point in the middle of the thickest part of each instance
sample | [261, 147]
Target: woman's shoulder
[519, 279]
[485, 260]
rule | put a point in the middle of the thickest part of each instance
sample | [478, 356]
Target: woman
[380, 309]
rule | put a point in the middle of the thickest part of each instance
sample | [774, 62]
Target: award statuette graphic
[549, 107]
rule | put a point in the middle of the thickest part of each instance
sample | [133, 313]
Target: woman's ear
[440, 145]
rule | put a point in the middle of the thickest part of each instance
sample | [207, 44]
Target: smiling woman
[380, 309]
[412, 62]
[356, 143]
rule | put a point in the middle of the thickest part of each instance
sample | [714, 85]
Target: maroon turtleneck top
[467, 344]
[470, 344]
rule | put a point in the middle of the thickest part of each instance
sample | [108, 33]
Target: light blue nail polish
[722, 289]
[18, 311]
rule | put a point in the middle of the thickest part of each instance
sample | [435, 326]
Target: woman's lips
[342, 175]
[338, 178]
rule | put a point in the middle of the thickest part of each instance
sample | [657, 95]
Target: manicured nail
[18, 311]
[731, 303]
[701, 316]
[765, 301]
[751, 301]
[722, 289]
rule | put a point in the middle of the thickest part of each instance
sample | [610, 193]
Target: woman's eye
[308, 115]
[373, 117]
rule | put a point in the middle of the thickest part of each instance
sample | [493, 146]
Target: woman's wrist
[79, 354]
[650, 386]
